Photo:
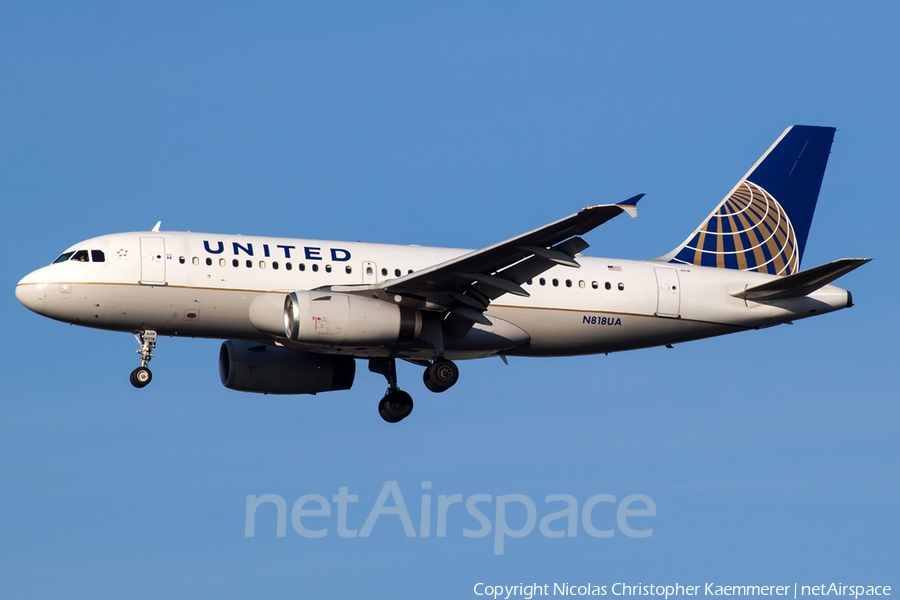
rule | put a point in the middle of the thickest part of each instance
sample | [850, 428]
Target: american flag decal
[614, 267]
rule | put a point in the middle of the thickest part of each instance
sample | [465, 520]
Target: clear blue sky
[771, 456]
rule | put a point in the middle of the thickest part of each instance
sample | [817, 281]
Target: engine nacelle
[255, 367]
[348, 320]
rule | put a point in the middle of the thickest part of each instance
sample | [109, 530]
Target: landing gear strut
[396, 404]
[440, 375]
[142, 375]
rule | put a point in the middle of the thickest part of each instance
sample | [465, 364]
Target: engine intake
[255, 367]
[345, 319]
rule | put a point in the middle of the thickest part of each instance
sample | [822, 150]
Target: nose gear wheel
[141, 377]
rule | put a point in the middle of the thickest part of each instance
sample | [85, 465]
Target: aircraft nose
[30, 291]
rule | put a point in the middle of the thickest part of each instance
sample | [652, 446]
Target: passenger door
[153, 261]
[669, 302]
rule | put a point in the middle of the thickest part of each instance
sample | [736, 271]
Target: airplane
[296, 314]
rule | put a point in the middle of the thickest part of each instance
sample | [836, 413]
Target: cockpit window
[82, 256]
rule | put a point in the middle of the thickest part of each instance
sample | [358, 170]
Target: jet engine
[345, 319]
[256, 367]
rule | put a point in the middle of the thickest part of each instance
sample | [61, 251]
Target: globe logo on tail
[749, 231]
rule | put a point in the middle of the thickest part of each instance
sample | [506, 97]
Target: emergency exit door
[370, 272]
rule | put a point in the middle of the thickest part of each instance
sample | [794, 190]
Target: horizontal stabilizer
[802, 283]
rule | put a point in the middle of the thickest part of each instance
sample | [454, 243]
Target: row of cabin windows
[288, 266]
[82, 256]
[315, 267]
[582, 284]
[384, 272]
[262, 264]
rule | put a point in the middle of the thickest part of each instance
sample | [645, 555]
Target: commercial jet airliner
[297, 314]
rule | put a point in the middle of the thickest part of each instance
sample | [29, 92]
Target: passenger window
[568, 283]
[542, 281]
[315, 267]
[221, 262]
[608, 285]
[556, 283]
[288, 266]
[249, 263]
[409, 272]
[262, 264]
[581, 284]
[81, 256]
[235, 262]
[530, 282]
[621, 286]
[301, 266]
[349, 269]
[208, 261]
[275, 264]
[384, 272]
[328, 268]
[181, 260]
[397, 272]
[368, 270]
[63, 257]
[195, 260]
[595, 285]
[97, 256]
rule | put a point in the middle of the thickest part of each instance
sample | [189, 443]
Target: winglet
[630, 205]
[156, 227]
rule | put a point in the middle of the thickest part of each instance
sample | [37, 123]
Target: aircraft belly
[569, 332]
[500, 335]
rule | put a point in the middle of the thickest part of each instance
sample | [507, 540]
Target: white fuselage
[202, 285]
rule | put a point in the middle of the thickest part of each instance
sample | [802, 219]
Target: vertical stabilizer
[763, 223]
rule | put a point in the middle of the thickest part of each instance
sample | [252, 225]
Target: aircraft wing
[466, 285]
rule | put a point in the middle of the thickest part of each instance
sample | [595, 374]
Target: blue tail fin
[763, 223]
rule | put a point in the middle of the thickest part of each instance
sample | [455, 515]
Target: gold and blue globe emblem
[749, 231]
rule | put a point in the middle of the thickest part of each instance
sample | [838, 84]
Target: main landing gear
[396, 405]
[440, 375]
[142, 375]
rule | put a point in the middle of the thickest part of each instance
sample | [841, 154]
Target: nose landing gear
[142, 375]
